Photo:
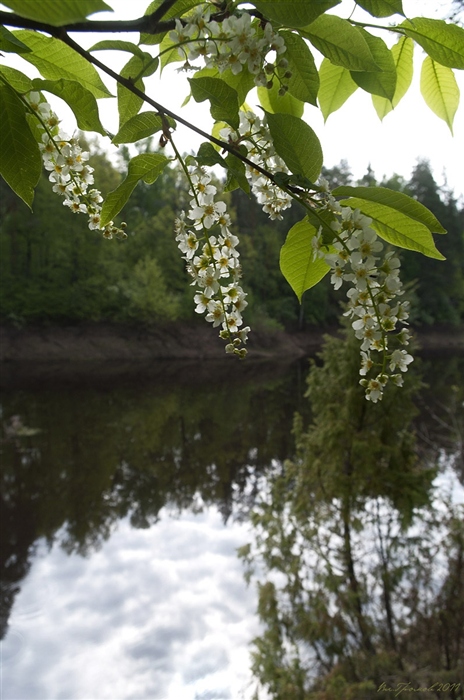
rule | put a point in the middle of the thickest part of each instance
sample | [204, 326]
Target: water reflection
[89, 461]
[81, 456]
[359, 544]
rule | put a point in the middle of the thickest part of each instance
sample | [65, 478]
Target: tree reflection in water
[101, 449]
[359, 546]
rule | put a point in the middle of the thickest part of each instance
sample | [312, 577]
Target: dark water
[125, 493]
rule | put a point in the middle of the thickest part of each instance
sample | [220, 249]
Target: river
[125, 495]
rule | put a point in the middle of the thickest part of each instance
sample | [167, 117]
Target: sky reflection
[156, 614]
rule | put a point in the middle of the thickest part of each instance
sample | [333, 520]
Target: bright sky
[353, 133]
[122, 624]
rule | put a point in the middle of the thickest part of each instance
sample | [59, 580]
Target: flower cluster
[357, 256]
[213, 261]
[254, 133]
[232, 44]
[69, 172]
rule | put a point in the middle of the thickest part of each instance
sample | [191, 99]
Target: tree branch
[149, 24]
[127, 83]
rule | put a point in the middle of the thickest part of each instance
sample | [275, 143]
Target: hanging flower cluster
[67, 164]
[235, 42]
[254, 133]
[357, 256]
[213, 260]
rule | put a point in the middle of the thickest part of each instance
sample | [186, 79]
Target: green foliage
[223, 98]
[79, 99]
[345, 581]
[440, 90]
[54, 60]
[298, 266]
[402, 53]
[66, 12]
[337, 86]
[146, 167]
[297, 144]
[355, 55]
[20, 161]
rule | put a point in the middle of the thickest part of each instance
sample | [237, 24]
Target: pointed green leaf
[18, 81]
[20, 159]
[55, 60]
[146, 167]
[440, 90]
[383, 82]
[337, 86]
[237, 174]
[271, 101]
[297, 144]
[402, 53]
[118, 45]
[304, 82]
[395, 200]
[294, 13]
[57, 13]
[82, 102]
[11, 44]
[208, 155]
[341, 43]
[442, 41]
[129, 104]
[169, 53]
[223, 98]
[242, 82]
[382, 8]
[296, 259]
[140, 127]
[397, 228]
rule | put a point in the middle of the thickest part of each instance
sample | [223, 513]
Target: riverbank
[111, 342]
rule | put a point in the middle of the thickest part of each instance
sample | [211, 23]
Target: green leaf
[402, 53]
[337, 86]
[207, 155]
[129, 104]
[82, 102]
[140, 127]
[294, 13]
[20, 159]
[341, 43]
[297, 144]
[304, 83]
[381, 83]
[397, 228]
[11, 44]
[146, 167]
[118, 45]
[395, 200]
[54, 60]
[271, 101]
[57, 13]
[223, 98]
[382, 8]
[440, 90]
[177, 10]
[443, 42]
[18, 81]
[243, 82]
[296, 259]
[169, 56]
[237, 174]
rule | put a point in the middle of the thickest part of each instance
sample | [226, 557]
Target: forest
[55, 271]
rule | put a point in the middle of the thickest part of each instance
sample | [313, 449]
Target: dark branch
[150, 24]
[127, 83]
